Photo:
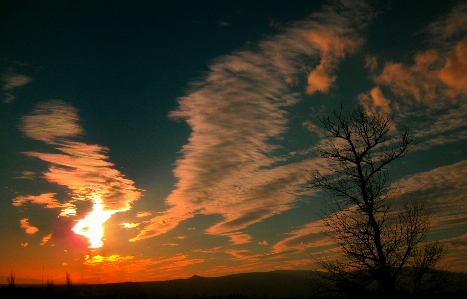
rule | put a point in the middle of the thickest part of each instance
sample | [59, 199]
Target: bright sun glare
[91, 226]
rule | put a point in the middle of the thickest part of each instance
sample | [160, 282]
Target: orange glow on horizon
[91, 226]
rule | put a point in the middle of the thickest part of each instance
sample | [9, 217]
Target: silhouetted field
[264, 285]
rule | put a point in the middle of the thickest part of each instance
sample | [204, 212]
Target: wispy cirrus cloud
[442, 190]
[230, 165]
[83, 168]
[311, 235]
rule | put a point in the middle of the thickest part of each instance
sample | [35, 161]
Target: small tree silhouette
[11, 280]
[68, 285]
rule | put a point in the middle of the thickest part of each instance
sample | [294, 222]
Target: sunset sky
[152, 140]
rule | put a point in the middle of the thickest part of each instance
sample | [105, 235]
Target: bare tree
[11, 280]
[68, 285]
[378, 238]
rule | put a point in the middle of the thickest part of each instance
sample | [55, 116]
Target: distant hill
[258, 284]
[275, 284]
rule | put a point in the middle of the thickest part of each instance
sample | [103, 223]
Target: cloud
[332, 45]
[83, 168]
[27, 227]
[430, 91]
[418, 81]
[310, 235]
[143, 214]
[242, 254]
[371, 63]
[458, 242]
[310, 126]
[46, 199]
[455, 23]
[375, 101]
[264, 243]
[223, 24]
[438, 73]
[236, 114]
[442, 191]
[46, 239]
[454, 72]
[99, 259]
[443, 125]
[239, 238]
[9, 98]
[11, 81]
[129, 225]
[162, 268]
[50, 120]
[27, 175]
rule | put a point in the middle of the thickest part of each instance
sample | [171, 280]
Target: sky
[154, 140]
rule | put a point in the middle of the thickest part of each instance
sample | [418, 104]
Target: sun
[91, 226]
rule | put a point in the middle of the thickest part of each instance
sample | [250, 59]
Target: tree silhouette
[68, 285]
[379, 240]
[11, 280]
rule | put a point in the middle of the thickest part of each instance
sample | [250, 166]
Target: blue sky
[149, 140]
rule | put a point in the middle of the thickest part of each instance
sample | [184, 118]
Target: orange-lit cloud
[82, 168]
[29, 229]
[375, 101]
[46, 239]
[438, 73]
[454, 72]
[46, 199]
[143, 214]
[179, 264]
[418, 81]
[239, 238]
[333, 46]
[98, 259]
[161, 268]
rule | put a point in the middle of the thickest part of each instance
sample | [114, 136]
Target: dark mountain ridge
[275, 284]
